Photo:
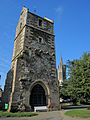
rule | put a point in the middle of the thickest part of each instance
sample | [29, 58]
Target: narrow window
[40, 40]
[40, 22]
[20, 25]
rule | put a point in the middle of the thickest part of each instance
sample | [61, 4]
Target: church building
[32, 79]
[61, 72]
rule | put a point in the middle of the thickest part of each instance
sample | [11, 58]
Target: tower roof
[61, 62]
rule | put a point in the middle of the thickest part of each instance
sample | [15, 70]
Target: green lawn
[83, 113]
[17, 114]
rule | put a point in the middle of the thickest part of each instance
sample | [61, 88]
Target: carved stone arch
[43, 84]
[45, 87]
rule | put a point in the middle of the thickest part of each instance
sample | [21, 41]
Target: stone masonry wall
[37, 63]
[33, 20]
[20, 33]
[7, 87]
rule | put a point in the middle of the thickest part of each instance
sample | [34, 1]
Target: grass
[17, 114]
[83, 113]
[83, 103]
[66, 104]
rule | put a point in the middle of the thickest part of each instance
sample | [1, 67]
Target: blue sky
[71, 27]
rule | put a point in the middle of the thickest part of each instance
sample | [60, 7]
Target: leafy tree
[78, 86]
[64, 93]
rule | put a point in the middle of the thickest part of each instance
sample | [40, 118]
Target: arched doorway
[37, 97]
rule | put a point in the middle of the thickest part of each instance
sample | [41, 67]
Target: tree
[64, 93]
[78, 86]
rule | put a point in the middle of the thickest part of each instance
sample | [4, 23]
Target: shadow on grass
[74, 107]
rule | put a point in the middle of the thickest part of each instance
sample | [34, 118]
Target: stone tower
[61, 72]
[32, 80]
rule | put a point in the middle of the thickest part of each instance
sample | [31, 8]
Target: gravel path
[55, 115]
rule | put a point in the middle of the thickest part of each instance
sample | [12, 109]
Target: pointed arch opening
[38, 97]
[39, 94]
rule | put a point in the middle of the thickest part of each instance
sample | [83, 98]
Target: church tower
[61, 72]
[32, 80]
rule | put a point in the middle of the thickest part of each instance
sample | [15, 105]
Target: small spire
[24, 7]
[61, 62]
[61, 59]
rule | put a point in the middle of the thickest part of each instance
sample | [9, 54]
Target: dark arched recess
[37, 97]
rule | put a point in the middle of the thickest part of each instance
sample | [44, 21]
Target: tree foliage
[78, 86]
[64, 93]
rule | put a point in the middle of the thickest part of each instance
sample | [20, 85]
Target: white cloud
[59, 10]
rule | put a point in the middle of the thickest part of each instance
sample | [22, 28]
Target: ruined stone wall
[28, 71]
[36, 64]
[7, 87]
[38, 61]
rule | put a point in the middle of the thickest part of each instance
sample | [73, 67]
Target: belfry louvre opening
[37, 97]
